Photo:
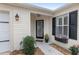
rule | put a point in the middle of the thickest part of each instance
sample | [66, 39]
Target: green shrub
[28, 45]
[46, 38]
[74, 50]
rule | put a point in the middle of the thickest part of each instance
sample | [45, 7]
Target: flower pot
[46, 40]
[74, 53]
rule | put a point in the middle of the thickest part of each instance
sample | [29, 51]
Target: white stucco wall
[70, 41]
[22, 27]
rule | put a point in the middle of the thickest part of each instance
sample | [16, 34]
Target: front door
[40, 29]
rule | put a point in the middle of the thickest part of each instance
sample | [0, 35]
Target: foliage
[46, 38]
[28, 45]
[74, 50]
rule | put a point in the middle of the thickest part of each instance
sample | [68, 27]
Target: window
[62, 26]
[60, 21]
[65, 20]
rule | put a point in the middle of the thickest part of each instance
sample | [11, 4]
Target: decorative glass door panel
[39, 28]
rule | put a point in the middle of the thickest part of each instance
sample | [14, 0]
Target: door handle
[5, 41]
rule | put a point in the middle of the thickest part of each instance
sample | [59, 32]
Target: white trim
[57, 24]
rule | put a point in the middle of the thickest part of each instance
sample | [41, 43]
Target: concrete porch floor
[47, 49]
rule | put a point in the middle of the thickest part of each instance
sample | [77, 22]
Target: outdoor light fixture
[17, 17]
[38, 15]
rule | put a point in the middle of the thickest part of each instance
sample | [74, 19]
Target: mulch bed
[19, 52]
[61, 49]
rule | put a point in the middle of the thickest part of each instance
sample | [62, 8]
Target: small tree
[28, 45]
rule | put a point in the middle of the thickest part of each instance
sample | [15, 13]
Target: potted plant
[28, 45]
[74, 50]
[46, 38]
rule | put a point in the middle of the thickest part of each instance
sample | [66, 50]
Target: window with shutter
[73, 25]
[62, 28]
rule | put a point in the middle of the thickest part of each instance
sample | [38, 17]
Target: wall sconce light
[38, 15]
[17, 17]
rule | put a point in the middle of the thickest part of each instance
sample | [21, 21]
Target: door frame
[43, 29]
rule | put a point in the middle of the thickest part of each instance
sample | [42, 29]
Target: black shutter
[53, 25]
[73, 25]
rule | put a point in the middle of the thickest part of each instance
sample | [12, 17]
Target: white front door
[4, 31]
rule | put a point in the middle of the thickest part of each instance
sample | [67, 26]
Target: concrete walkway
[47, 49]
